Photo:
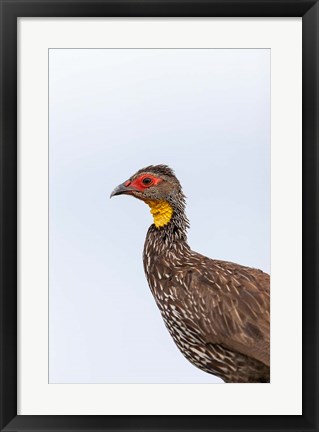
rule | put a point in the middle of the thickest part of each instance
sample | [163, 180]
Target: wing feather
[230, 304]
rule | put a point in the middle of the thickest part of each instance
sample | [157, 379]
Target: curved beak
[121, 189]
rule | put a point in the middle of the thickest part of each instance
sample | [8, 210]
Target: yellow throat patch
[162, 212]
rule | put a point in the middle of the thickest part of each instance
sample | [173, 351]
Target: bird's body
[210, 308]
[217, 312]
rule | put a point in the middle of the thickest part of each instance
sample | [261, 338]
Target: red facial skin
[139, 185]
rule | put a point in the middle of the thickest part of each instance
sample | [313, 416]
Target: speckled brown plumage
[217, 312]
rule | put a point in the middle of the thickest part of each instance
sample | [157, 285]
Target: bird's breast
[172, 296]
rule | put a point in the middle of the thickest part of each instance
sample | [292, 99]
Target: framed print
[207, 113]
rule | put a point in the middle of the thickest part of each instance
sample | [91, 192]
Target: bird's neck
[170, 225]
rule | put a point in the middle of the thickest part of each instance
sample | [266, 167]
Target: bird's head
[158, 187]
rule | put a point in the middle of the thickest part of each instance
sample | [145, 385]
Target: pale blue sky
[205, 113]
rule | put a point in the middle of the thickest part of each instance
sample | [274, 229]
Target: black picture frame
[10, 11]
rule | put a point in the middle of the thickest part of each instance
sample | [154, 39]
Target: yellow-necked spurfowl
[217, 312]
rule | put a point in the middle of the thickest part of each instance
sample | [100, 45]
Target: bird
[217, 312]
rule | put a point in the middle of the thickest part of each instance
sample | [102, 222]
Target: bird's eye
[147, 181]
